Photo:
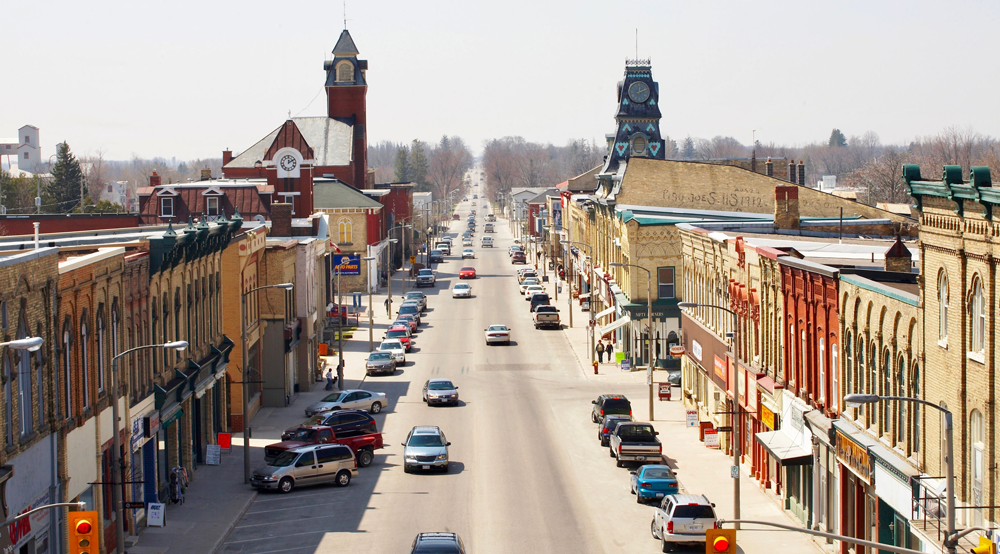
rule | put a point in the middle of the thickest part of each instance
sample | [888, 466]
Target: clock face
[638, 91]
[287, 162]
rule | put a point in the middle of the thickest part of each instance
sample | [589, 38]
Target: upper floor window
[67, 376]
[978, 317]
[665, 282]
[212, 205]
[27, 139]
[943, 306]
[84, 365]
[166, 207]
[639, 145]
[346, 233]
[26, 156]
[345, 72]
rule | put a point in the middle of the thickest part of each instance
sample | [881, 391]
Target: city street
[526, 470]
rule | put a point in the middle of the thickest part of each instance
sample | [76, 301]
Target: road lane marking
[294, 508]
[284, 522]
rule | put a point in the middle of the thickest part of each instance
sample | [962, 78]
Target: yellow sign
[854, 456]
[413, 260]
[767, 417]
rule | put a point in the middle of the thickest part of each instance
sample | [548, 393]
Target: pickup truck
[425, 278]
[363, 446]
[443, 247]
[546, 316]
[635, 442]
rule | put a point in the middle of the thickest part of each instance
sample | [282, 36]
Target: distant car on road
[461, 290]
[468, 253]
[437, 543]
[408, 320]
[425, 448]
[497, 334]
[440, 391]
[467, 272]
[467, 241]
[351, 399]
[425, 278]
[410, 308]
[417, 296]
[652, 482]
[400, 333]
[436, 256]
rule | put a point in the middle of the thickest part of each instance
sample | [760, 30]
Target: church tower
[346, 89]
[638, 120]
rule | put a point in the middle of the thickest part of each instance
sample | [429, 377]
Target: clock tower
[346, 89]
[638, 119]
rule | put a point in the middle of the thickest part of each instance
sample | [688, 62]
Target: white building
[22, 152]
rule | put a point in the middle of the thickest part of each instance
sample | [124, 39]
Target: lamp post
[736, 436]
[117, 463]
[388, 273]
[590, 294]
[370, 313]
[246, 393]
[649, 328]
[951, 539]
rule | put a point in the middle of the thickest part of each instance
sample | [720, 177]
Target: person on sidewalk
[609, 350]
[388, 307]
[600, 352]
[329, 378]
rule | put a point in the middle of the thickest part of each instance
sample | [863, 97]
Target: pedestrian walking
[600, 352]
[388, 307]
[609, 350]
[329, 379]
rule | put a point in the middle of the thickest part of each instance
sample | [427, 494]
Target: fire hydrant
[595, 367]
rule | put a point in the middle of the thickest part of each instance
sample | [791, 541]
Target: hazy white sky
[189, 78]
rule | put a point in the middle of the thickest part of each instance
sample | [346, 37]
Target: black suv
[345, 423]
[436, 256]
[607, 404]
[437, 543]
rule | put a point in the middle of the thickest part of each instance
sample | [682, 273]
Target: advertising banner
[349, 264]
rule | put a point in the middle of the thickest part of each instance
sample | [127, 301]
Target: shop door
[977, 483]
[196, 431]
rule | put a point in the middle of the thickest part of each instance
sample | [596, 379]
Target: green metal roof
[879, 288]
[331, 195]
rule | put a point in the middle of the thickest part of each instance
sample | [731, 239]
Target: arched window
[345, 72]
[835, 392]
[84, 363]
[873, 379]
[943, 306]
[40, 376]
[67, 371]
[886, 390]
[24, 388]
[849, 366]
[100, 351]
[917, 408]
[346, 233]
[902, 408]
[154, 317]
[822, 370]
[859, 381]
[977, 427]
[8, 408]
[978, 317]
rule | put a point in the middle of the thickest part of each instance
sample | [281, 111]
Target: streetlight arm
[286, 286]
[77, 505]
[683, 305]
[178, 345]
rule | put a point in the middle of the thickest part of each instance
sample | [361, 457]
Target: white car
[468, 253]
[528, 282]
[497, 334]
[396, 348]
[461, 290]
[467, 242]
[532, 290]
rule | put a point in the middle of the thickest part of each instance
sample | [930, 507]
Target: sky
[187, 79]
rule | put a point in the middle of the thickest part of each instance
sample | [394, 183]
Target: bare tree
[449, 161]
[720, 148]
[882, 178]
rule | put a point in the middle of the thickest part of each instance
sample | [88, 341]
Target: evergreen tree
[688, 152]
[418, 164]
[402, 165]
[63, 193]
[837, 139]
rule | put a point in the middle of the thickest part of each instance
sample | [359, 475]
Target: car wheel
[406, 468]
[365, 457]
[638, 499]
[286, 485]
[652, 528]
[593, 418]
[631, 490]
[611, 452]
[376, 407]
[343, 478]
[619, 463]
[445, 469]
[666, 546]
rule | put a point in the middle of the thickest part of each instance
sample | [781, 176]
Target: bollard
[595, 368]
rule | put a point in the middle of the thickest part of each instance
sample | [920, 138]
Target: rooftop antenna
[345, 15]
[637, 43]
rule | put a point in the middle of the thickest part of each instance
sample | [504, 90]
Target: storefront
[858, 502]
[791, 446]
[32, 485]
[764, 465]
[665, 333]
[894, 487]
[706, 376]
[826, 477]
[142, 453]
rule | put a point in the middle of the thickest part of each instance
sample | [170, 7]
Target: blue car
[653, 482]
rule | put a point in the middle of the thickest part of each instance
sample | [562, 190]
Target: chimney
[786, 207]
[227, 156]
[802, 172]
[753, 161]
[206, 174]
[154, 180]
[281, 219]
[769, 165]
[898, 258]
[791, 172]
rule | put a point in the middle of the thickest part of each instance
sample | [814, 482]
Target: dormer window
[212, 205]
[638, 145]
[345, 72]
[166, 207]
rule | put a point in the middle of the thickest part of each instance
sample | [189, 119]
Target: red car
[518, 258]
[409, 320]
[402, 333]
[467, 273]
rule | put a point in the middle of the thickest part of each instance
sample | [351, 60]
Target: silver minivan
[315, 464]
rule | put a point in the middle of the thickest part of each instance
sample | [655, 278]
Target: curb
[218, 544]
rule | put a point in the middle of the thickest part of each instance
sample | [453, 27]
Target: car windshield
[497, 328]
[515, 248]
[414, 295]
[306, 435]
[694, 512]
[379, 357]
[462, 286]
[425, 272]
[658, 473]
[284, 459]
[441, 385]
[390, 345]
[468, 269]
[335, 397]
[425, 440]
[408, 309]
[396, 334]
[637, 432]
[435, 252]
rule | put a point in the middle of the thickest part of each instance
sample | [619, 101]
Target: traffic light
[720, 541]
[986, 546]
[82, 533]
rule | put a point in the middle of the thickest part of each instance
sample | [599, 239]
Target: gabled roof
[540, 198]
[345, 45]
[331, 140]
[334, 194]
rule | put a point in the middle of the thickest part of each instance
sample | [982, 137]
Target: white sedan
[497, 334]
[468, 253]
[528, 282]
[467, 242]
[461, 290]
[396, 348]
[532, 290]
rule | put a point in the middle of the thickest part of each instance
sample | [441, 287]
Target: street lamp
[370, 313]
[246, 393]
[590, 293]
[735, 434]
[388, 273]
[951, 539]
[31, 344]
[649, 327]
[117, 463]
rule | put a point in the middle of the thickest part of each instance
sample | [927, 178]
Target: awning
[603, 313]
[620, 322]
[780, 445]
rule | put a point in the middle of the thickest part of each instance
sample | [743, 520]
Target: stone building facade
[281, 330]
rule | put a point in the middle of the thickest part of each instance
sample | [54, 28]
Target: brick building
[281, 330]
[208, 199]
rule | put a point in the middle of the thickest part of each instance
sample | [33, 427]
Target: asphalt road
[527, 473]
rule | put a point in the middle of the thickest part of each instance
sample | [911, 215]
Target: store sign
[720, 369]
[854, 456]
[767, 417]
[348, 264]
[696, 349]
[712, 438]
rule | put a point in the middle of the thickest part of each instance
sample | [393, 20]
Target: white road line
[284, 522]
[272, 537]
[294, 508]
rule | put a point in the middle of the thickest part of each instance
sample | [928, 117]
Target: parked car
[468, 253]
[309, 465]
[539, 299]
[412, 309]
[546, 316]
[436, 256]
[532, 289]
[400, 333]
[652, 482]
[513, 248]
[605, 429]
[350, 399]
[497, 334]
[396, 348]
[407, 319]
[525, 273]
[518, 258]
[425, 278]
[607, 404]
[528, 282]
[363, 446]
[425, 448]
[683, 519]
[467, 272]
[437, 543]
[635, 442]
[380, 362]
[440, 391]
[417, 296]
[345, 423]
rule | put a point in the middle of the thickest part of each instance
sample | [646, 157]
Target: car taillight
[661, 449]
[602, 412]
[355, 463]
[619, 448]
[643, 484]
[670, 527]
[717, 526]
[630, 413]
[605, 430]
